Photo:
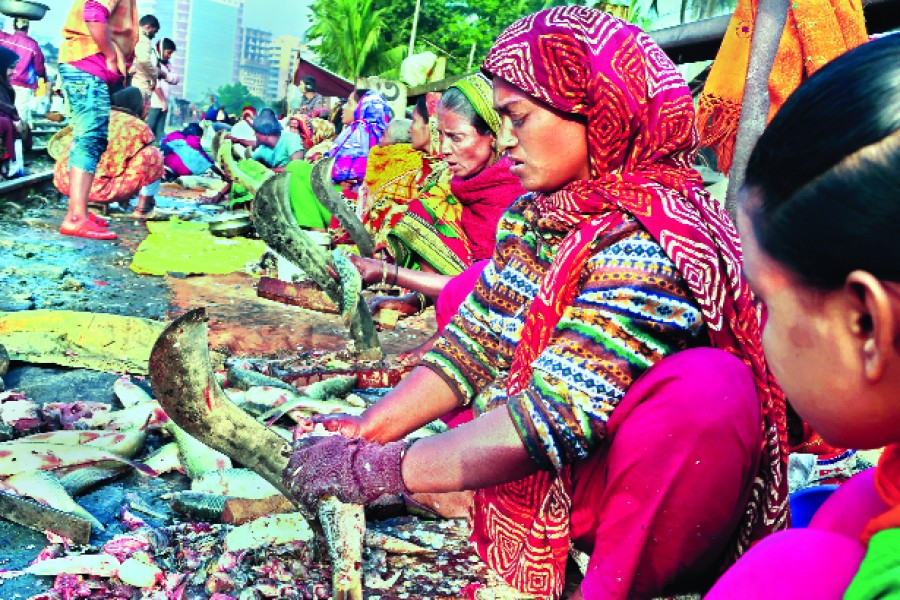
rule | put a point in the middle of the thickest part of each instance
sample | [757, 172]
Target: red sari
[642, 140]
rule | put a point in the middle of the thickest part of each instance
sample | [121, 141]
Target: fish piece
[21, 414]
[21, 458]
[197, 457]
[46, 489]
[100, 565]
[245, 379]
[80, 414]
[78, 479]
[394, 545]
[355, 400]
[236, 483]
[129, 393]
[337, 386]
[124, 443]
[139, 574]
[344, 526]
[241, 510]
[199, 505]
[309, 405]
[351, 284]
[149, 413]
[269, 531]
[166, 459]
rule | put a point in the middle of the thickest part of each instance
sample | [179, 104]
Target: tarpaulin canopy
[327, 83]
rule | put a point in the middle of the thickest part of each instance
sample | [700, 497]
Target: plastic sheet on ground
[97, 341]
[188, 247]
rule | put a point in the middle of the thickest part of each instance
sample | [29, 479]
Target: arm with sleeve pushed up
[633, 309]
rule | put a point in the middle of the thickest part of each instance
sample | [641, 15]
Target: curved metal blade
[323, 188]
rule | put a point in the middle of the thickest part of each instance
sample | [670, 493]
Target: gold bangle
[384, 270]
[422, 300]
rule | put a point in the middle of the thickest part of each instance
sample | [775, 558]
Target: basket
[23, 9]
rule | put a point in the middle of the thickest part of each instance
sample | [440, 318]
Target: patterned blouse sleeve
[633, 309]
[468, 355]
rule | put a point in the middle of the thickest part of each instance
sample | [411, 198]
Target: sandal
[87, 229]
[98, 220]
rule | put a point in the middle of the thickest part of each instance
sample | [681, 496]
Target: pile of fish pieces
[269, 555]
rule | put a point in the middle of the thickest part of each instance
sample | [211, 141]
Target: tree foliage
[449, 28]
[349, 38]
[234, 97]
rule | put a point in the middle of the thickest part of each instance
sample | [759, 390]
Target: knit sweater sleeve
[470, 354]
[632, 309]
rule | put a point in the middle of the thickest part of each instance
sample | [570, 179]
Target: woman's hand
[370, 269]
[350, 426]
[352, 470]
[407, 305]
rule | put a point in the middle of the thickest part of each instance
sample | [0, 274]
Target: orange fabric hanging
[887, 482]
[815, 32]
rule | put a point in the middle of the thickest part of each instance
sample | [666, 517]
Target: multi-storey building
[257, 70]
[208, 36]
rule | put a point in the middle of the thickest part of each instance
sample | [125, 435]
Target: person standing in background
[159, 98]
[99, 35]
[311, 102]
[29, 69]
[145, 69]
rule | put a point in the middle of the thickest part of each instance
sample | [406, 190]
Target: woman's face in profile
[465, 151]
[548, 150]
[809, 345]
[419, 136]
[349, 109]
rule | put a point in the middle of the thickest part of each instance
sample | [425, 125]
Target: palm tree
[349, 37]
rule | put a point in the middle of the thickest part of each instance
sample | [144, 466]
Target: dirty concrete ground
[39, 269]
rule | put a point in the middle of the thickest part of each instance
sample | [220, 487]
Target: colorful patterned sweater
[633, 309]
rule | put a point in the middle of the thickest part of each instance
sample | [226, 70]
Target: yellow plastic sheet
[96, 341]
[188, 247]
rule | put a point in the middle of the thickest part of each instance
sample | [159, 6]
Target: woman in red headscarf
[611, 349]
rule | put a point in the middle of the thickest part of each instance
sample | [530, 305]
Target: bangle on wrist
[422, 301]
[384, 270]
[396, 273]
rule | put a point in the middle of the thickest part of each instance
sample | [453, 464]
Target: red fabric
[887, 482]
[327, 83]
[642, 140]
[657, 516]
[485, 197]
[8, 135]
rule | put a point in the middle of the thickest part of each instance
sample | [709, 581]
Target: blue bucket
[806, 502]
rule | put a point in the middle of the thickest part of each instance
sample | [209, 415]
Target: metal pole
[770, 19]
[471, 58]
[412, 38]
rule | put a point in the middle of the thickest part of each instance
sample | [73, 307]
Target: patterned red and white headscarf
[642, 139]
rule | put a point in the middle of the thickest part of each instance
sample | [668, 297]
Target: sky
[272, 15]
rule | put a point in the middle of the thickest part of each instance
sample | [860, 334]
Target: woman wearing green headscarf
[442, 235]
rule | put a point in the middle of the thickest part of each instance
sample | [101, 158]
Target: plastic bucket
[806, 502]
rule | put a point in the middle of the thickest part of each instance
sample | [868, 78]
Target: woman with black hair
[10, 123]
[819, 216]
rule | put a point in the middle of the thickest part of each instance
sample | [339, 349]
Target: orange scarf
[815, 33]
[887, 482]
